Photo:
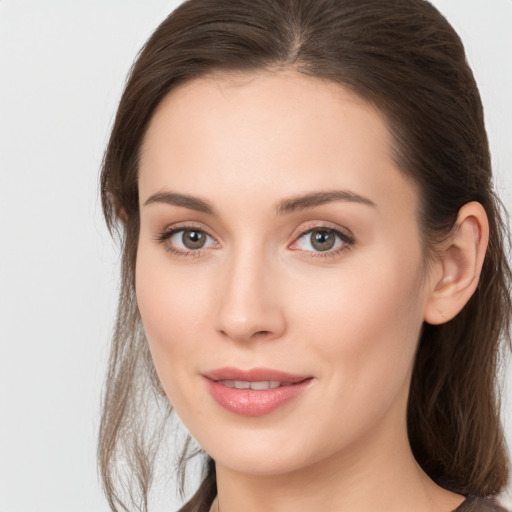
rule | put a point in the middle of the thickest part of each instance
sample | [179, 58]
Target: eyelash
[166, 235]
[347, 241]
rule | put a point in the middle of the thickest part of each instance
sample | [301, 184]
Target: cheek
[169, 296]
[172, 313]
[366, 323]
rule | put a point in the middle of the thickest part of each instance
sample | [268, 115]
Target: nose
[250, 305]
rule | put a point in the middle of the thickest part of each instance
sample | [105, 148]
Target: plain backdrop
[62, 69]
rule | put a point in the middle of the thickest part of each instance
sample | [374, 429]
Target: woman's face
[279, 246]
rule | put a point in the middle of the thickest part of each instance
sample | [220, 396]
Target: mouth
[258, 385]
[254, 392]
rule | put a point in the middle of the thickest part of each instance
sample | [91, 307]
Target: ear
[456, 271]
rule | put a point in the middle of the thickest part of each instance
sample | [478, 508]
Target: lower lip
[252, 402]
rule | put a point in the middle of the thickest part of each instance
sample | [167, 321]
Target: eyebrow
[183, 200]
[311, 200]
[298, 203]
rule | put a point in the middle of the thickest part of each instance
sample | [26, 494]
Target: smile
[245, 384]
[254, 392]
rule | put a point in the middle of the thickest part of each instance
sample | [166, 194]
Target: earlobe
[459, 265]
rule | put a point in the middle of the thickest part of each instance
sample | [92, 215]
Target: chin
[262, 452]
[262, 462]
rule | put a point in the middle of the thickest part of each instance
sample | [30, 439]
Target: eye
[186, 240]
[322, 240]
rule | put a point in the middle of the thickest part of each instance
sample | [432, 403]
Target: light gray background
[62, 68]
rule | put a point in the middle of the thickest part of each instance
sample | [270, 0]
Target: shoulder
[477, 504]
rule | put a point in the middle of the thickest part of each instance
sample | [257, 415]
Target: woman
[314, 272]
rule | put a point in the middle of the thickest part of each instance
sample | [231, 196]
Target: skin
[259, 294]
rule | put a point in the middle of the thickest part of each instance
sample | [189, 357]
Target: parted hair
[404, 58]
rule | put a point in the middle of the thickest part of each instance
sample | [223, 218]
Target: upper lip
[254, 375]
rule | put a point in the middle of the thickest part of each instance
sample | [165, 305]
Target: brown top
[475, 504]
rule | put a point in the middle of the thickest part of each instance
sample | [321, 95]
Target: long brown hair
[403, 57]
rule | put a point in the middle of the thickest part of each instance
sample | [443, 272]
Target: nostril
[253, 336]
[260, 334]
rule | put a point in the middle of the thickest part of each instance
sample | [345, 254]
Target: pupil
[322, 240]
[193, 239]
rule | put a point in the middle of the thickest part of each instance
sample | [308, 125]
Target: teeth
[268, 384]
[244, 384]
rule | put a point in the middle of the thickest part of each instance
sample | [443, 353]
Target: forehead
[280, 101]
[280, 129]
